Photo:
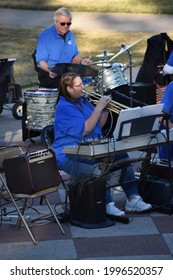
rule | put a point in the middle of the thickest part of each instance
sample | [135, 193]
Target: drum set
[98, 78]
[40, 107]
[111, 75]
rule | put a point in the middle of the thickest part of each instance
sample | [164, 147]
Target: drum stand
[102, 87]
[102, 67]
[30, 140]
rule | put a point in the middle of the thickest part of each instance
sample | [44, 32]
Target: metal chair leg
[53, 213]
[19, 212]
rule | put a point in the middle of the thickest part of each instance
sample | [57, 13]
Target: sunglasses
[65, 23]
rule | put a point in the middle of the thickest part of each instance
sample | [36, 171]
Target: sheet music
[126, 114]
[136, 112]
[151, 110]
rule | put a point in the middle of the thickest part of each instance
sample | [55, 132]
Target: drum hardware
[81, 69]
[104, 54]
[111, 77]
[103, 63]
[27, 123]
[125, 48]
[131, 92]
[100, 62]
[102, 92]
[113, 106]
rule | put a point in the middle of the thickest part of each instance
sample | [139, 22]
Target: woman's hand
[103, 102]
[98, 115]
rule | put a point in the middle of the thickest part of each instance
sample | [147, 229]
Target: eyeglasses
[80, 85]
[65, 23]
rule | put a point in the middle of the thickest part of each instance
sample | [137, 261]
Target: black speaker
[87, 204]
[160, 169]
[143, 92]
[156, 191]
[28, 174]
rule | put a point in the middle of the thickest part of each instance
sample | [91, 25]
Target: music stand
[139, 126]
[148, 124]
[138, 121]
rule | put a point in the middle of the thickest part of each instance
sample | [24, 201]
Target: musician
[57, 44]
[77, 120]
[167, 100]
[168, 67]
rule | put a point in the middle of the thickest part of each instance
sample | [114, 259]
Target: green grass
[22, 48]
[20, 42]
[95, 43]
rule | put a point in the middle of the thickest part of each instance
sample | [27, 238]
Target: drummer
[57, 44]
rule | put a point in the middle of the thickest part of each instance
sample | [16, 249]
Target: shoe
[111, 209]
[136, 204]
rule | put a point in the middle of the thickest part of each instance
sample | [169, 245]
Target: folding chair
[13, 190]
[5, 152]
[47, 138]
[33, 54]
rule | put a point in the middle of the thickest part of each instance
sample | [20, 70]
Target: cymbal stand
[131, 92]
[103, 59]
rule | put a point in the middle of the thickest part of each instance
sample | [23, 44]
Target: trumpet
[113, 106]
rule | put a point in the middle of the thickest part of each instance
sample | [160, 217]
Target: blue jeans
[80, 167]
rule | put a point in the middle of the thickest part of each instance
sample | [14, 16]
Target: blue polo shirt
[53, 49]
[170, 59]
[69, 125]
[167, 99]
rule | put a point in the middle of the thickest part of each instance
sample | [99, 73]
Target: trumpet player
[76, 119]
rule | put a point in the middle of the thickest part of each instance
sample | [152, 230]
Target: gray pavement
[90, 21]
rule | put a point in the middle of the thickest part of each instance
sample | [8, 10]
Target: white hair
[62, 12]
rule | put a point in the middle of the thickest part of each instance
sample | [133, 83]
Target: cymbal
[124, 48]
[81, 69]
[104, 54]
[100, 62]
[105, 64]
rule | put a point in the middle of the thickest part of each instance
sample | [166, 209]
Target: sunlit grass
[20, 42]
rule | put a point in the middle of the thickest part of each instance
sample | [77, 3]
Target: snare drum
[111, 77]
[40, 107]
